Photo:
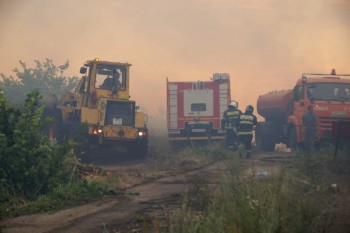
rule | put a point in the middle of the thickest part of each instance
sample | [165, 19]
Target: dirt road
[112, 212]
[142, 203]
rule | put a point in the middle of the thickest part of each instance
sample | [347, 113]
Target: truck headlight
[96, 131]
[143, 133]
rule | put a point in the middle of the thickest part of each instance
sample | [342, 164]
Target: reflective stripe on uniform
[247, 117]
[246, 122]
[231, 118]
[233, 113]
[245, 133]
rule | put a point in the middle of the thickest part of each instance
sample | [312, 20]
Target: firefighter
[310, 123]
[229, 122]
[247, 121]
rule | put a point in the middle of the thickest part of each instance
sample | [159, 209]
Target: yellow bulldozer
[101, 105]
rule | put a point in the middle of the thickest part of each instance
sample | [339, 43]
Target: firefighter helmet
[234, 104]
[249, 109]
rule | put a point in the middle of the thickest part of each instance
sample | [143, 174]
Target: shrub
[30, 164]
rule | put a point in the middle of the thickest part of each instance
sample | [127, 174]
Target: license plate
[198, 130]
[117, 121]
[339, 114]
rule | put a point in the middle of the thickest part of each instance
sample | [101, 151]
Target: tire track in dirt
[116, 213]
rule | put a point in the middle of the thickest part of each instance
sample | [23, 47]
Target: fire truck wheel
[263, 137]
[292, 139]
[268, 144]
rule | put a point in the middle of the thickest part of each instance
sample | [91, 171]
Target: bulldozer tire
[138, 148]
[54, 129]
[76, 133]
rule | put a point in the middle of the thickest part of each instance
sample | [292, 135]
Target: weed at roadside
[293, 200]
[61, 197]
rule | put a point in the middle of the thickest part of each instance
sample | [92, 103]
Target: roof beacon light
[303, 79]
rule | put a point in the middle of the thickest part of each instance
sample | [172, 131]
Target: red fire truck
[195, 109]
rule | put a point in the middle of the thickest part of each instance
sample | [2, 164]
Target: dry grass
[296, 198]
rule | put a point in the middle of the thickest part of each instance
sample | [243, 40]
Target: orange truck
[329, 94]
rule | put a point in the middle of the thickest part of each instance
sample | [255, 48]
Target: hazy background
[264, 44]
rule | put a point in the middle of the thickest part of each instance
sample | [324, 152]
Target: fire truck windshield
[329, 91]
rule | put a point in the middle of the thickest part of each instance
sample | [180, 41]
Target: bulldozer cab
[105, 79]
[110, 77]
[101, 105]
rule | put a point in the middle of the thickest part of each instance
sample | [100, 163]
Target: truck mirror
[296, 94]
[83, 70]
[82, 87]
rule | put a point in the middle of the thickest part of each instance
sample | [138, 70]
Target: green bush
[30, 164]
[36, 174]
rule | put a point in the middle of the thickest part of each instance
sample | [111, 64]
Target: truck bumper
[196, 132]
[116, 135]
[195, 138]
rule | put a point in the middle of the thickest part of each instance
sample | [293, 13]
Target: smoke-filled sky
[264, 44]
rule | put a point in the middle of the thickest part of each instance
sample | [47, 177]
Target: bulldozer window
[110, 77]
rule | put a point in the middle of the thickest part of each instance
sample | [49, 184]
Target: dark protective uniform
[112, 83]
[245, 130]
[310, 122]
[229, 122]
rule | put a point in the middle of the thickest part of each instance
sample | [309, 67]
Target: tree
[45, 76]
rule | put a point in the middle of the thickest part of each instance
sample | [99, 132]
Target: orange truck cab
[329, 94]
